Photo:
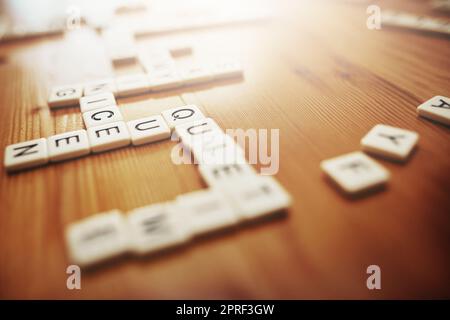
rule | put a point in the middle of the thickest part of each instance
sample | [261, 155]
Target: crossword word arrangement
[236, 192]
[161, 74]
[356, 172]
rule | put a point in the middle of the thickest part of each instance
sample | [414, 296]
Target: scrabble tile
[181, 115]
[196, 130]
[195, 74]
[398, 19]
[437, 109]
[156, 227]
[149, 129]
[156, 60]
[116, 34]
[227, 69]
[155, 54]
[132, 85]
[441, 26]
[433, 25]
[97, 238]
[102, 116]
[355, 172]
[65, 96]
[404, 20]
[158, 67]
[120, 45]
[108, 136]
[167, 80]
[26, 154]
[216, 149]
[68, 145]
[122, 54]
[99, 86]
[258, 197]
[442, 5]
[178, 50]
[101, 100]
[390, 142]
[221, 174]
[130, 7]
[206, 211]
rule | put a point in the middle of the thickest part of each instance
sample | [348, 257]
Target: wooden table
[315, 72]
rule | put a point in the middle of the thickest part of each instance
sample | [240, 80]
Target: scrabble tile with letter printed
[160, 67]
[390, 142]
[26, 154]
[101, 100]
[226, 69]
[195, 74]
[180, 49]
[99, 86]
[156, 227]
[437, 109]
[217, 148]
[181, 115]
[108, 136]
[196, 130]
[122, 53]
[355, 172]
[120, 45]
[68, 145]
[165, 80]
[155, 61]
[132, 84]
[102, 116]
[259, 196]
[149, 129]
[65, 96]
[206, 211]
[219, 174]
[415, 22]
[97, 238]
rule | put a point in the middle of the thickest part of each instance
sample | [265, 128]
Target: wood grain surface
[315, 72]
